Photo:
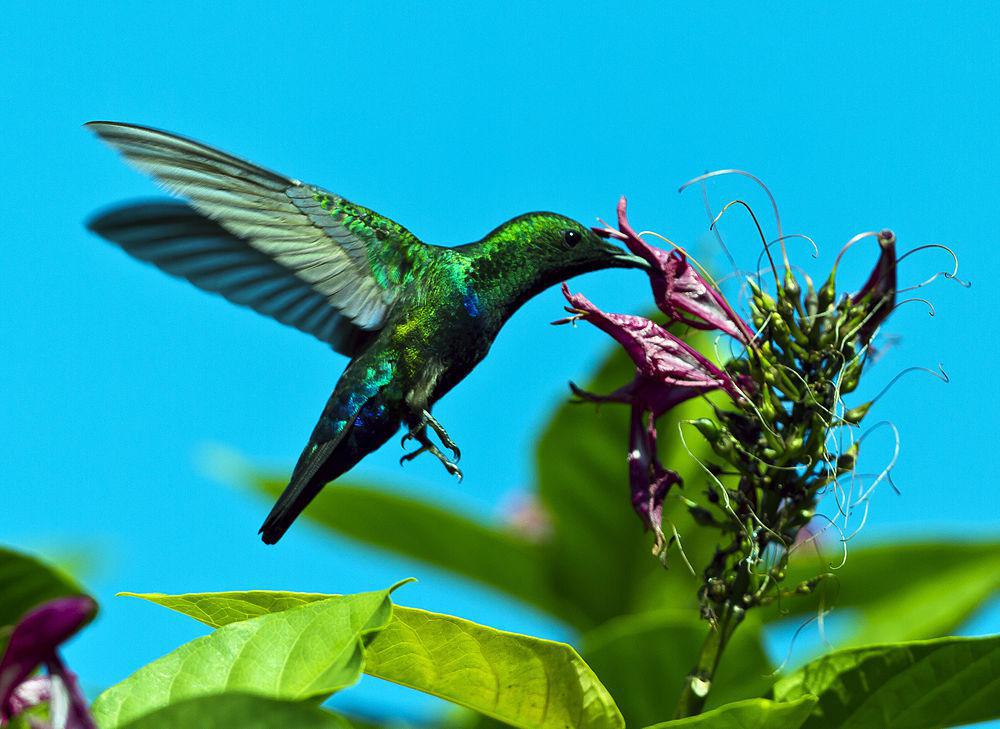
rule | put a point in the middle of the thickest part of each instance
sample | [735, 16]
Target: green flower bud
[855, 415]
[708, 428]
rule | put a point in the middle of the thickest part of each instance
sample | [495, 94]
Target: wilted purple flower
[679, 290]
[668, 372]
[33, 642]
[649, 480]
[879, 291]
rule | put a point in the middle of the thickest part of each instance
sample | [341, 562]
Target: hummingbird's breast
[445, 329]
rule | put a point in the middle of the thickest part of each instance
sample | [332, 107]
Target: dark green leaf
[246, 711]
[28, 582]
[304, 652]
[644, 660]
[749, 714]
[524, 681]
[904, 591]
[917, 685]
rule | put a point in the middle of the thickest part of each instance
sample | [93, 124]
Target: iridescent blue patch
[471, 303]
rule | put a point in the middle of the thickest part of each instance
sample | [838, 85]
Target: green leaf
[304, 652]
[749, 714]
[599, 557]
[431, 534]
[905, 591]
[644, 660]
[917, 685]
[28, 582]
[524, 681]
[246, 711]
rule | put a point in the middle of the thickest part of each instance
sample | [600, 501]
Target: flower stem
[699, 680]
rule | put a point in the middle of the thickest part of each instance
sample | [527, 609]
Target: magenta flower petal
[668, 372]
[679, 290]
[659, 356]
[650, 482]
[34, 642]
[879, 291]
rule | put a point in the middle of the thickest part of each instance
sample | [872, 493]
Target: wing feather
[182, 242]
[354, 259]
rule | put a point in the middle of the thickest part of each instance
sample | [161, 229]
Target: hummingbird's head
[561, 247]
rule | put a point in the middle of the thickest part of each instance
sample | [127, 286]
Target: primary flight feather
[414, 318]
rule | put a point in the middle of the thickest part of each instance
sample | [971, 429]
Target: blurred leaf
[644, 660]
[750, 714]
[599, 556]
[432, 534]
[246, 711]
[304, 652]
[524, 681]
[904, 591]
[917, 685]
[28, 582]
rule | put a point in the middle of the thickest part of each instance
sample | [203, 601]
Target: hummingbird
[413, 318]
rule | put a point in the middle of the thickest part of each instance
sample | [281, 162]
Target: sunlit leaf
[903, 591]
[524, 681]
[917, 685]
[246, 711]
[308, 651]
[644, 660]
[749, 714]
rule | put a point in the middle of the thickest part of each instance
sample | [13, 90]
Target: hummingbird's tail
[305, 484]
[345, 434]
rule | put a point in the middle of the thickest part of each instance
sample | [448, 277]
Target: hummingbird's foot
[446, 440]
[427, 446]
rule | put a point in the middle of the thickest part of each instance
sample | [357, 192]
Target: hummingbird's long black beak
[628, 260]
[622, 258]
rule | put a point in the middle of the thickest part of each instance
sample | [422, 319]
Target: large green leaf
[599, 557]
[524, 681]
[749, 714]
[432, 534]
[644, 660]
[28, 582]
[905, 591]
[917, 685]
[307, 651]
[246, 711]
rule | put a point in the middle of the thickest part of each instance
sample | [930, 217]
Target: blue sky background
[450, 118]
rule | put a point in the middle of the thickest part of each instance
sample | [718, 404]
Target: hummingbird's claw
[411, 455]
[446, 440]
[419, 434]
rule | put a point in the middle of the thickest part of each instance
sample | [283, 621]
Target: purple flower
[668, 372]
[679, 290]
[33, 642]
[879, 291]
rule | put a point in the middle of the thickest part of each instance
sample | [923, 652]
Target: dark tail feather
[305, 484]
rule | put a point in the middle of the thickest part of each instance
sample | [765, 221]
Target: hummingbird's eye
[571, 237]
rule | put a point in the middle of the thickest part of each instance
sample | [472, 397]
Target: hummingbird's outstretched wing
[293, 251]
[180, 241]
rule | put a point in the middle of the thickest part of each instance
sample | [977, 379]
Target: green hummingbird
[413, 318]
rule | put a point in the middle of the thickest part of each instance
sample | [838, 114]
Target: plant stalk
[699, 680]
